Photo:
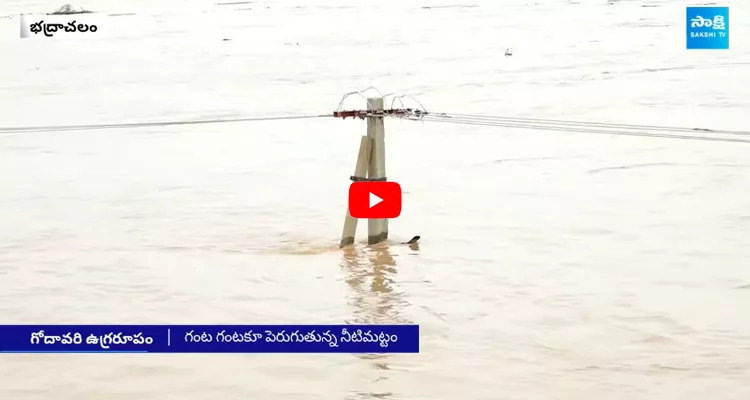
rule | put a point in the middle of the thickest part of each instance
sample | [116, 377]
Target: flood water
[553, 265]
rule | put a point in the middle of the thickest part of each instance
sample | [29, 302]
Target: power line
[555, 122]
[55, 128]
[453, 118]
[592, 128]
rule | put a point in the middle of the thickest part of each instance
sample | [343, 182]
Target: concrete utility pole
[370, 167]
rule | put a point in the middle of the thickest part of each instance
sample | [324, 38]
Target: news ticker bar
[209, 338]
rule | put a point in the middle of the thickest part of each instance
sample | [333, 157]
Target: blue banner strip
[209, 338]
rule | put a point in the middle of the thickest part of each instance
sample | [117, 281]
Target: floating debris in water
[68, 10]
[453, 6]
[413, 240]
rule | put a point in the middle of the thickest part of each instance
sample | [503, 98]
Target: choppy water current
[552, 265]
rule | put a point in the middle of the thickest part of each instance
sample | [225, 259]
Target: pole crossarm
[392, 112]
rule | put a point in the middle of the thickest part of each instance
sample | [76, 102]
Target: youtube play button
[373, 200]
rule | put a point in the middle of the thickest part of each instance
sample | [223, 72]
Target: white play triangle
[374, 200]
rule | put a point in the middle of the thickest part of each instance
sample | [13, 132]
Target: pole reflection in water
[371, 274]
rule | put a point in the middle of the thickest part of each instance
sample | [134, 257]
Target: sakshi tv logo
[707, 28]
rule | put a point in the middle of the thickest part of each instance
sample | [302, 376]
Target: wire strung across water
[452, 118]
[20, 130]
[586, 127]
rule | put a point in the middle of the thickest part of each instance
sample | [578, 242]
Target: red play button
[372, 200]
